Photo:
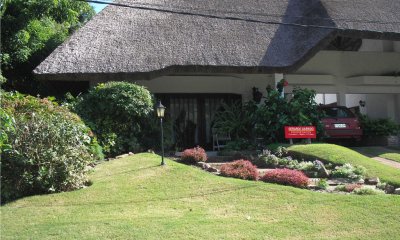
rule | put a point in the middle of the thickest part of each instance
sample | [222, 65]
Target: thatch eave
[126, 43]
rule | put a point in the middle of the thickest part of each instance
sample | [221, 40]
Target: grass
[383, 152]
[135, 198]
[340, 155]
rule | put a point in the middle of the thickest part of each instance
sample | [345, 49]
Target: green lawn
[383, 152]
[340, 155]
[135, 198]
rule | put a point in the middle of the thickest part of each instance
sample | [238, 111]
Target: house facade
[195, 55]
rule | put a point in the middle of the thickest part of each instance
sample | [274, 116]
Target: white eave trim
[297, 79]
[373, 80]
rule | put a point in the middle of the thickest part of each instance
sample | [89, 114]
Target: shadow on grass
[128, 171]
[374, 151]
[90, 183]
[213, 192]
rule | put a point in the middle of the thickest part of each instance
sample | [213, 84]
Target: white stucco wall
[353, 100]
[380, 105]
[357, 76]
[237, 84]
[372, 45]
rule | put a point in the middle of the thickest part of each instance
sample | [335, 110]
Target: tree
[31, 30]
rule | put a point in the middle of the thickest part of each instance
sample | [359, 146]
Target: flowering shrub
[194, 155]
[242, 169]
[287, 177]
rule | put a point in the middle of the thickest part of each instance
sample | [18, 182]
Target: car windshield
[338, 113]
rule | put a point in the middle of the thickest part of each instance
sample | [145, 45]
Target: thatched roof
[208, 36]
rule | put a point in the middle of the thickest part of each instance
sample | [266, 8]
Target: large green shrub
[49, 149]
[117, 112]
[378, 127]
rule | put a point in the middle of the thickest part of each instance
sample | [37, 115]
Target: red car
[340, 122]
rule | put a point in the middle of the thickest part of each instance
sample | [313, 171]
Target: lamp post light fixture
[160, 114]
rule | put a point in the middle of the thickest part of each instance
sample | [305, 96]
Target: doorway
[192, 116]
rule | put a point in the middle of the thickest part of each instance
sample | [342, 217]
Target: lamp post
[160, 114]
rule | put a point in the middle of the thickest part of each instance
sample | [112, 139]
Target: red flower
[285, 83]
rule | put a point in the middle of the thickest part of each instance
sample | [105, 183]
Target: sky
[98, 7]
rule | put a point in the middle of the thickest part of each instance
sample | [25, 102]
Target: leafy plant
[281, 151]
[235, 119]
[322, 184]
[194, 155]
[286, 177]
[50, 148]
[151, 132]
[303, 110]
[348, 187]
[378, 127]
[382, 185]
[271, 117]
[6, 127]
[242, 169]
[118, 113]
[368, 191]
[239, 144]
[349, 171]
[277, 112]
[267, 160]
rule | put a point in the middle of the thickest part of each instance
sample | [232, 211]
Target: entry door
[192, 116]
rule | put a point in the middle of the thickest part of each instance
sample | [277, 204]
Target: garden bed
[279, 167]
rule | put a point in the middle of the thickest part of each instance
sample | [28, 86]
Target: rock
[361, 181]
[389, 189]
[122, 156]
[372, 181]
[131, 153]
[397, 191]
[339, 181]
[212, 169]
[201, 164]
[322, 172]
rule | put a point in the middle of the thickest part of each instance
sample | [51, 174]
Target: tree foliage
[32, 29]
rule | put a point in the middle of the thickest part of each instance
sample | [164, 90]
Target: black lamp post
[160, 114]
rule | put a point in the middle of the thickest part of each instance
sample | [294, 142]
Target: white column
[278, 77]
[397, 104]
[391, 111]
[341, 98]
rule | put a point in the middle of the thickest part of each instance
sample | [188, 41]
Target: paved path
[388, 162]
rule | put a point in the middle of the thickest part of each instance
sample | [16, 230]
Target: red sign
[300, 132]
